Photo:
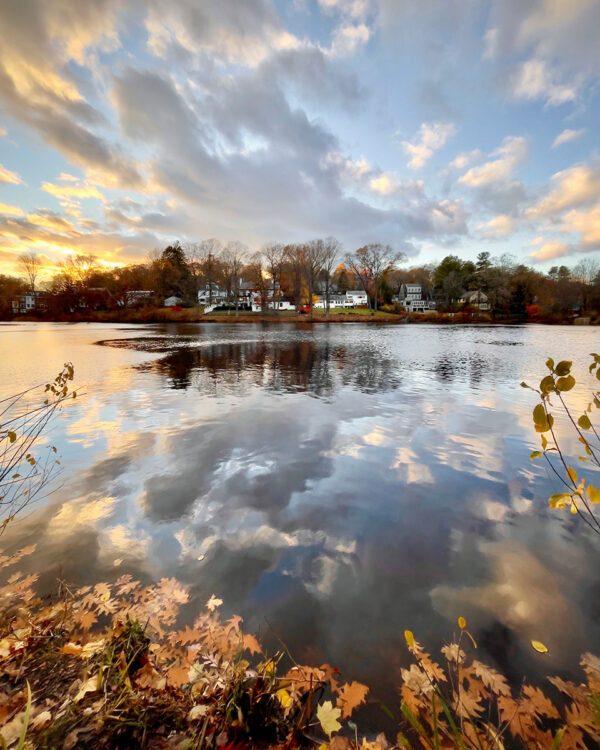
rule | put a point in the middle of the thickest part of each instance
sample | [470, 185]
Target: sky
[437, 126]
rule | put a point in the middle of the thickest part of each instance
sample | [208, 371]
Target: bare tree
[31, 265]
[331, 252]
[274, 255]
[370, 263]
[314, 258]
[209, 251]
[233, 261]
[294, 260]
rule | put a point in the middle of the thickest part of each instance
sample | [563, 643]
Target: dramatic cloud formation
[125, 125]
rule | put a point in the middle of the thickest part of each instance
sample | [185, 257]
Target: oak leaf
[251, 643]
[490, 678]
[178, 676]
[213, 603]
[351, 695]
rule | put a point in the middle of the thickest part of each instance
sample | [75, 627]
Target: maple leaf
[328, 717]
[251, 643]
[351, 695]
[213, 603]
[102, 589]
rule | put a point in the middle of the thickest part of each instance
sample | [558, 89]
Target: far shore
[360, 315]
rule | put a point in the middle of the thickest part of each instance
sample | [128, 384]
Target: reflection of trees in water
[473, 366]
[299, 366]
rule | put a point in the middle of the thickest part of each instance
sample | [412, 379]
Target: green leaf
[546, 426]
[565, 384]
[21, 744]
[535, 454]
[584, 422]
[558, 737]
[563, 367]
[547, 384]
[539, 414]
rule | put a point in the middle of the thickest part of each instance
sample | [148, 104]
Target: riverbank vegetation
[113, 666]
[208, 273]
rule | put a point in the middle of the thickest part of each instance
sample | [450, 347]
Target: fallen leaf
[539, 646]
[177, 676]
[41, 721]
[328, 717]
[213, 603]
[197, 712]
[284, 698]
[351, 695]
[251, 643]
[73, 649]
[89, 686]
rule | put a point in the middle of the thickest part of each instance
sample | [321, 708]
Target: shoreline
[383, 318]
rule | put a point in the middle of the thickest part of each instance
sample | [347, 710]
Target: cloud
[552, 43]
[3, 132]
[534, 79]
[570, 187]
[498, 227]
[429, 139]
[9, 177]
[566, 136]
[463, 160]
[550, 251]
[73, 191]
[11, 210]
[587, 223]
[512, 152]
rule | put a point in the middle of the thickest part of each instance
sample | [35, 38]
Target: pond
[333, 484]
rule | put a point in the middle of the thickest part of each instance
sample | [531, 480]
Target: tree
[232, 259]
[370, 263]
[274, 255]
[209, 252]
[483, 261]
[31, 265]
[331, 251]
[453, 276]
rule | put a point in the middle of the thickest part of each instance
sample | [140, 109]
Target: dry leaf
[351, 695]
[177, 676]
[41, 721]
[213, 603]
[328, 717]
[251, 643]
[89, 686]
[539, 646]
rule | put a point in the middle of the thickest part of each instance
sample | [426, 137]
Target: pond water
[334, 484]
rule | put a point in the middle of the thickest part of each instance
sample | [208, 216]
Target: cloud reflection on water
[344, 484]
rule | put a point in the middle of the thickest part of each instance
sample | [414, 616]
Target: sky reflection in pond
[340, 483]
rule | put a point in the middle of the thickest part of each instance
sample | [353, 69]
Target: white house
[475, 299]
[29, 301]
[282, 304]
[414, 298]
[218, 295]
[173, 301]
[357, 298]
[335, 301]
[137, 297]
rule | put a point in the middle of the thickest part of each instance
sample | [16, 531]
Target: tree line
[297, 272]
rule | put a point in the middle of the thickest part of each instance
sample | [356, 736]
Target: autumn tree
[232, 259]
[370, 263]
